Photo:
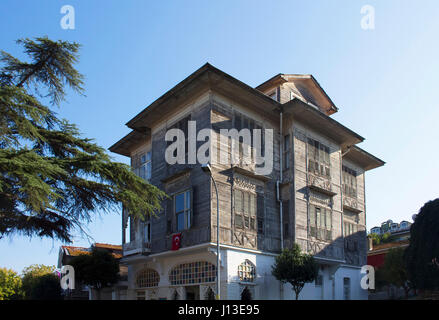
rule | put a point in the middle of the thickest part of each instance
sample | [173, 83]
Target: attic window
[273, 95]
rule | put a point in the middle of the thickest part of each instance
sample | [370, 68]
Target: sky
[383, 80]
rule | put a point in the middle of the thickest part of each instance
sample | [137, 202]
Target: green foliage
[295, 267]
[376, 239]
[31, 277]
[52, 179]
[423, 252]
[10, 285]
[46, 287]
[98, 269]
[381, 238]
[394, 270]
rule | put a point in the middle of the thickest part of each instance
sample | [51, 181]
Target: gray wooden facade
[216, 100]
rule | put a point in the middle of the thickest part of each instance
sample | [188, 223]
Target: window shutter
[312, 216]
[238, 201]
[260, 212]
[328, 219]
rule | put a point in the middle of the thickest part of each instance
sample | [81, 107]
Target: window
[349, 182]
[349, 228]
[183, 210]
[319, 281]
[346, 288]
[247, 271]
[245, 210]
[142, 165]
[133, 227]
[147, 278]
[318, 158]
[320, 222]
[273, 95]
[147, 232]
[192, 273]
[243, 122]
[260, 226]
[286, 151]
[183, 126]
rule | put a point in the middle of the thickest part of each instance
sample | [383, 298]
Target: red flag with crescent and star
[176, 240]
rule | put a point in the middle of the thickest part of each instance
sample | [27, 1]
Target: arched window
[147, 278]
[192, 273]
[247, 271]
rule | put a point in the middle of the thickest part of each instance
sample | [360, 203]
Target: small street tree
[423, 252]
[10, 285]
[294, 267]
[99, 269]
[41, 283]
[52, 179]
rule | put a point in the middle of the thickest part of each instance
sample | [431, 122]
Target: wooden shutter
[312, 215]
[328, 219]
[260, 212]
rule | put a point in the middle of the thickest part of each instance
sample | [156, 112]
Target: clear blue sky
[384, 80]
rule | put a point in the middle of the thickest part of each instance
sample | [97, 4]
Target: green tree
[394, 270]
[31, 277]
[10, 285]
[99, 269]
[46, 287]
[423, 251]
[294, 267]
[52, 179]
[376, 239]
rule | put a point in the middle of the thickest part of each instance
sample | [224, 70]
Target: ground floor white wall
[264, 287]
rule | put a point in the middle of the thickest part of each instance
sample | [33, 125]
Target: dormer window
[273, 95]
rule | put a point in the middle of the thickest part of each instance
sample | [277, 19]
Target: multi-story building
[314, 195]
[392, 227]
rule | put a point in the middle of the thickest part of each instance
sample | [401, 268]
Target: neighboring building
[399, 236]
[391, 227]
[320, 173]
[116, 292]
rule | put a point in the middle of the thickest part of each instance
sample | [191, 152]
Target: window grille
[192, 273]
[247, 271]
[245, 210]
[147, 278]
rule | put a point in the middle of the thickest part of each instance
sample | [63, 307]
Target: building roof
[363, 158]
[116, 250]
[384, 247]
[210, 78]
[305, 87]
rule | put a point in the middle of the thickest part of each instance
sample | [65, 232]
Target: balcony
[320, 184]
[321, 234]
[351, 204]
[136, 247]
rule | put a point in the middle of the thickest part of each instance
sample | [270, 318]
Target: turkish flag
[176, 240]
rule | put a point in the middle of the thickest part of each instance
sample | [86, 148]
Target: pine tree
[52, 179]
